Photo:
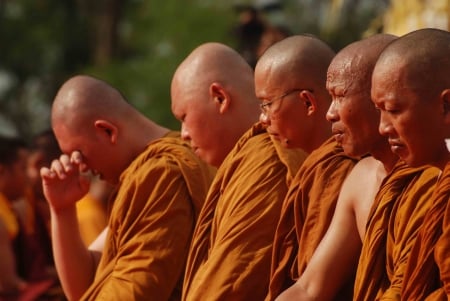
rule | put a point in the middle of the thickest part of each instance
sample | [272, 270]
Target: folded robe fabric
[427, 276]
[232, 244]
[396, 215]
[307, 212]
[151, 224]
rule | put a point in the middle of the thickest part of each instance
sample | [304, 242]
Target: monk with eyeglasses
[290, 82]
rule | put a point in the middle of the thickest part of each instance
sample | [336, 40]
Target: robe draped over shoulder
[427, 276]
[307, 212]
[232, 244]
[396, 215]
[151, 224]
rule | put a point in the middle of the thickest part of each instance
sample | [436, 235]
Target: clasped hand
[64, 182]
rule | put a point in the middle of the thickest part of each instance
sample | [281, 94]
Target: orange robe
[232, 245]
[396, 215]
[307, 212]
[92, 218]
[428, 268]
[151, 224]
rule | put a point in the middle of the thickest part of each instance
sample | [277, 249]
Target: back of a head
[83, 98]
[424, 54]
[215, 62]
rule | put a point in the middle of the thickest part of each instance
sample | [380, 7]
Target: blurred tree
[135, 45]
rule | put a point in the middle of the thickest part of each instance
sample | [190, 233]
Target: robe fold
[428, 266]
[307, 212]
[232, 244]
[151, 224]
[396, 215]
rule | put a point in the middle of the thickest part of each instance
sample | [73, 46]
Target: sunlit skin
[290, 84]
[354, 122]
[97, 130]
[415, 128]
[354, 118]
[213, 97]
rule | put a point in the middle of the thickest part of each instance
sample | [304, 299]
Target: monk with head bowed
[411, 88]
[213, 97]
[161, 186]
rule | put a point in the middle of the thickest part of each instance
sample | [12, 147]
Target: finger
[66, 163]
[47, 173]
[58, 168]
[76, 157]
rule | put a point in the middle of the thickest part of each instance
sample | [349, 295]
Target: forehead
[270, 80]
[387, 81]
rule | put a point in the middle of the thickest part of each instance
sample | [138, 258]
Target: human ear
[310, 101]
[107, 129]
[221, 98]
[445, 97]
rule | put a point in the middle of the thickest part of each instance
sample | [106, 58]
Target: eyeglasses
[268, 106]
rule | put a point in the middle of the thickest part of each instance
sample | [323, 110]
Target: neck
[386, 156]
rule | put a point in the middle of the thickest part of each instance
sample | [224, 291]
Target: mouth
[338, 136]
[396, 146]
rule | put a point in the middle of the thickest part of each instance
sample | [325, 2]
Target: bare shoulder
[366, 171]
[360, 188]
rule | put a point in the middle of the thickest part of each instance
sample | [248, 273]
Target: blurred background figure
[92, 210]
[255, 31]
[13, 177]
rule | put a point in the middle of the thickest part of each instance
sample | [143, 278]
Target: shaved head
[297, 65]
[301, 59]
[213, 89]
[83, 98]
[214, 62]
[353, 116]
[93, 118]
[411, 87]
[423, 56]
[356, 61]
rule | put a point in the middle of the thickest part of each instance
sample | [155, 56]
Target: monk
[290, 80]
[13, 154]
[213, 94]
[330, 271]
[415, 117]
[213, 98]
[161, 186]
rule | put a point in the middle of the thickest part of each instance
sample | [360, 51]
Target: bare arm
[336, 257]
[63, 185]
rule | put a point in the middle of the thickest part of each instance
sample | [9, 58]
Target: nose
[184, 132]
[264, 119]
[385, 127]
[332, 114]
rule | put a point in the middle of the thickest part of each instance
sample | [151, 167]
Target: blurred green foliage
[133, 44]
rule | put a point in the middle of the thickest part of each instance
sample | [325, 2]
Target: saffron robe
[396, 215]
[307, 212]
[92, 218]
[427, 273]
[151, 224]
[232, 244]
